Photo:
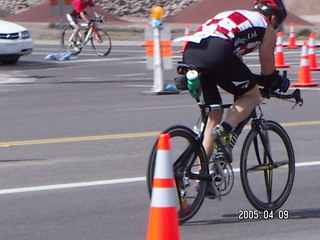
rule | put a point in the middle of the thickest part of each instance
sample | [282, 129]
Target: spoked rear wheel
[101, 42]
[188, 161]
[267, 167]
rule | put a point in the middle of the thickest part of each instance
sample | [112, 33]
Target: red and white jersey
[245, 29]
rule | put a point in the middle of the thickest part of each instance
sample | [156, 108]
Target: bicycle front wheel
[189, 161]
[101, 42]
[267, 167]
[66, 41]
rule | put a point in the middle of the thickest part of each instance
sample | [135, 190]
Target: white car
[15, 41]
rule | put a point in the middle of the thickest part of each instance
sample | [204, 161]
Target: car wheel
[10, 60]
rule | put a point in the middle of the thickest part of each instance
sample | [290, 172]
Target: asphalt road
[75, 141]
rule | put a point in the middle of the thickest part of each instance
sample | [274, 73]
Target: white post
[155, 60]
[157, 63]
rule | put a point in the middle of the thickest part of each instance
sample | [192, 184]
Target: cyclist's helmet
[271, 7]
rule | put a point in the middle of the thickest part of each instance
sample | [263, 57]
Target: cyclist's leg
[211, 96]
[73, 21]
[240, 82]
[243, 106]
[208, 141]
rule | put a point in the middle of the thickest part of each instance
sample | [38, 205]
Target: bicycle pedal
[212, 193]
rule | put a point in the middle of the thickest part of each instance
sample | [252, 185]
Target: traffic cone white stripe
[304, 62]
[161, 170]
[312, 50]
[279, 41]
[304, 56]
[164, 197]
[312, 46]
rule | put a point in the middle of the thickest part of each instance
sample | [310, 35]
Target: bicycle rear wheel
[189, 161]
[267, 167]
[101, 43]
[66, 41]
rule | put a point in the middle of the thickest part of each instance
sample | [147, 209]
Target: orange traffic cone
[279, 57]
[312, 54]
[304, 75]
[186, 33]
[292, 37]
[163, 216]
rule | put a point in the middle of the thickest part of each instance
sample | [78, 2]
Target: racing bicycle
[89, 32]
[267, 161]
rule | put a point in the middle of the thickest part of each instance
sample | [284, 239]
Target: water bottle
[194, 83]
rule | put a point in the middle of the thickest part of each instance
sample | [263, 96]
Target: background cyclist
[216, 49]
[79, 7]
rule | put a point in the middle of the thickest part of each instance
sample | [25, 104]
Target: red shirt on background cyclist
[217, 49]
[79, 12]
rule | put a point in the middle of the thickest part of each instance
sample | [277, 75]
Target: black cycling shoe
[210, 193]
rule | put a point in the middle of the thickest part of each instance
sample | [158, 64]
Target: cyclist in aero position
[216, 49]
[78, 12]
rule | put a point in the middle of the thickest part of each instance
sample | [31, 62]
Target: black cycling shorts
[219, 66]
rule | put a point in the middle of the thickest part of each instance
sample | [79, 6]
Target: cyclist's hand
[274, 81]
[100, 19]
[285, 83]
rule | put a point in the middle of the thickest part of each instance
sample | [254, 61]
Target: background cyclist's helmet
[271, 7]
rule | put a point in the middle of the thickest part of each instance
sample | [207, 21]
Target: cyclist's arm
[83, 16]
[266, 51]
[93, 8]
[270, 78]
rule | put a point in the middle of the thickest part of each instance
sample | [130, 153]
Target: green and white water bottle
[193, 83]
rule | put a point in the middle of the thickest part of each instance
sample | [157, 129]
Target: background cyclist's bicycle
[89, 32]
[267, 162]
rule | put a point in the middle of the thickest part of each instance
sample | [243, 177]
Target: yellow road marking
[293, 124]
[78, 139]
[118, 136]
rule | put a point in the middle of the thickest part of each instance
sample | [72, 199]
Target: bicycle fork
[97, 36]
[266, 164]
[259, 124]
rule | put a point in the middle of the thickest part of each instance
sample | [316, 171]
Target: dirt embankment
[203, 10]
[197, 12]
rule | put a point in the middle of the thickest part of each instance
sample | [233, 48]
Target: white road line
[153, 108]
[105, 182]
[308, 164]
[71, 185]
[130, 74]
[88, 52]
